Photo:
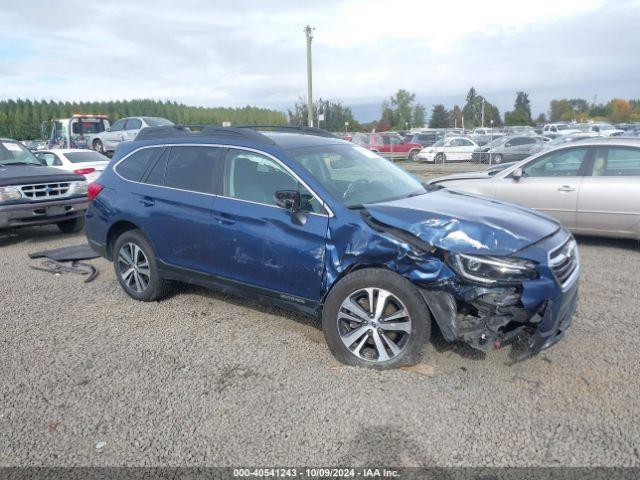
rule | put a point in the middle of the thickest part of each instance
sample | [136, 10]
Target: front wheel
[135, 264]
[412, 155]
[440, 158]
[375, 318]
[497, 159]
[74, 225]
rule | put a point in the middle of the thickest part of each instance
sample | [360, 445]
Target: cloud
[253, 52]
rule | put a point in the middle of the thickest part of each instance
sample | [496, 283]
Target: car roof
[242, 137]
[297, 140]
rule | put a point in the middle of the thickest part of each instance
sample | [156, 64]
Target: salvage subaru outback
[310, 222]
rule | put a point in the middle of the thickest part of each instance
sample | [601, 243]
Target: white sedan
[83, 162]
[448, 149]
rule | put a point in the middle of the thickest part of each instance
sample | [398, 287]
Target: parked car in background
[488, 172]
[602, 129]
[35, 145]
[425, 139]
[358, 243]
[388, 145]
[123, 130]
[631, 134]
[88, 163]
[574, 137]
[554, 130]
[448, 149]
[508, 149]
[77, 131]
[33, 194]
[591, 186]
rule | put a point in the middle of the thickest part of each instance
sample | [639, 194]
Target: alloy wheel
[374, 324]
[133, 266]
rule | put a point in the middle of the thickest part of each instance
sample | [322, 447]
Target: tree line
[23, 119]
[562, 110]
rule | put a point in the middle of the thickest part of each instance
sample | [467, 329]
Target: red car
[388, 145]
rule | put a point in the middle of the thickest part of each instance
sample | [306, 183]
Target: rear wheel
[74, 225]
[375, 318]
[98, 147]
[136, 269]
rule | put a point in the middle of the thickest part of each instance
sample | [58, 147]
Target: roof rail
[175, 131]
[151, 133]
[237, 132]
[243, 132]
[292, 129]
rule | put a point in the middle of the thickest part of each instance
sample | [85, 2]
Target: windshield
[157, 122]
[356, 176]
[439, 143]
[562, 127]
[15, 153]
[498, 141]
[87, 156]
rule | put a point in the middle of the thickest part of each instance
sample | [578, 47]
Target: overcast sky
[241, 52]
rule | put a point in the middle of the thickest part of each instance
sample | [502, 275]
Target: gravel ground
[92, 377]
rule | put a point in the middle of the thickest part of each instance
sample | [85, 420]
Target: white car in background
[124, 129]
[76, 160]
[555, 130]
[448, 149]
[599, 129]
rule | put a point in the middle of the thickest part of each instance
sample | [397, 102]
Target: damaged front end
[528, 289]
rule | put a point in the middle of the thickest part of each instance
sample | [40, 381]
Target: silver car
[592, 186]
[124, 129]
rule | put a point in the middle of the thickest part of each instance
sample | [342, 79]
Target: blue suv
[299, 218]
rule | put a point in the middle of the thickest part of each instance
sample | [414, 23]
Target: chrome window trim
[218, 145]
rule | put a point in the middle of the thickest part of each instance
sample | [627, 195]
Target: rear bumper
[36, 213]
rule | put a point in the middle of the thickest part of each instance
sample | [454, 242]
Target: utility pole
[483, 113]
[308, 31]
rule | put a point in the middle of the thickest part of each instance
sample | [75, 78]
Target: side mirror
[108, 129]
[517, 174]
[290, 200]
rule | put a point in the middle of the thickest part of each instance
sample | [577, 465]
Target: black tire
[412, 155]
[156, 287]
[439, 158]
[74, 225]
[497, 159]
[398, 286]
[98, 147]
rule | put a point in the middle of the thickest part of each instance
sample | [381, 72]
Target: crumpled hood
[465, 223]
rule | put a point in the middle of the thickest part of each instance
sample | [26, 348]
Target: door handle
[566, 188]
[147, 202]
[224, 219]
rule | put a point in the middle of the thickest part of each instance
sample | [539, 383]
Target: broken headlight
[491, 270]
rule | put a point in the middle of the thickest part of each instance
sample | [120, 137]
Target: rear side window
[191, 168]
[134, 166]
[617, 162]
[133, 124]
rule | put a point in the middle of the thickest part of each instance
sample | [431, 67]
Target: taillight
[84, 171]
[93, 190]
